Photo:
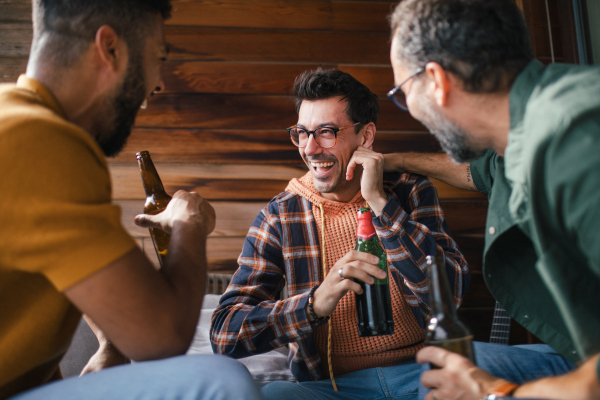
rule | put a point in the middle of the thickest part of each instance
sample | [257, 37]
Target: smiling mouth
[321, 169]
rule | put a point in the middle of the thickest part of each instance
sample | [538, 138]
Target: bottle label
[365, 229]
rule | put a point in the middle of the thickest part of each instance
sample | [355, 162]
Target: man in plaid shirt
[304, 239]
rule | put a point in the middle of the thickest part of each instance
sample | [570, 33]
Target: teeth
[321, 165]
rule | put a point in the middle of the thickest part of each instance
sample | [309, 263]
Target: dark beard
[452, 138]
[125, 107]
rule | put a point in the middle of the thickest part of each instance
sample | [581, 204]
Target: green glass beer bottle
[445, 329]
[156, 201]
[374, 305]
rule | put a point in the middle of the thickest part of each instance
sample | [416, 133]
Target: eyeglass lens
[325, 137]
[400, 99]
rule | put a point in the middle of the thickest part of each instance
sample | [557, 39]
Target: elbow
[174, 339]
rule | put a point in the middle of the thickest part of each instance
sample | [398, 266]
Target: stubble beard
[114, 125]
[452, 138]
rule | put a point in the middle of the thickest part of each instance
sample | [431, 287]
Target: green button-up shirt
[542, 247]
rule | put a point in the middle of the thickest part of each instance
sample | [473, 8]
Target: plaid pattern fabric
[282, 247]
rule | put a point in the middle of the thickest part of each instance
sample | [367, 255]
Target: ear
[369, 131]
[440, 82]
[110, 49]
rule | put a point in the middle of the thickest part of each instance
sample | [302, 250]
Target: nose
[312, 147]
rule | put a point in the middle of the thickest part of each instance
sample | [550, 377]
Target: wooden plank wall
[219, 127]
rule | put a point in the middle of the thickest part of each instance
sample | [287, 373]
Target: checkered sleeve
[412, 226]
[249, 319]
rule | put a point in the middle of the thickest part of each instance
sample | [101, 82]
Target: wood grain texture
[264, 14]
[361, 16]
[219, 44]
[11, 68]
[230, 146]
[260, 77]
[15, 11]
[245, 112]
[15, 39]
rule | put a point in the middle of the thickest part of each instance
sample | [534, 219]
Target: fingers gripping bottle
[373, 306]
[156, 201]
[445, 329]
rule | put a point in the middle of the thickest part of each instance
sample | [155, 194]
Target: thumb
[147, 221]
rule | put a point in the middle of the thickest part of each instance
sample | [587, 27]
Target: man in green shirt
[465, 69]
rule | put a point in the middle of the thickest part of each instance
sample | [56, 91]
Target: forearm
[433, 165]
[581, 384]
[185, 270]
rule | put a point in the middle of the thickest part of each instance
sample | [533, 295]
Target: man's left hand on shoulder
[371, 184]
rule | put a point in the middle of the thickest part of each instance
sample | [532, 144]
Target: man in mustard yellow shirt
[63, 250]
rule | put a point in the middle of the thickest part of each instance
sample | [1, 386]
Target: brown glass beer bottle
[156, 201]
[445, 329]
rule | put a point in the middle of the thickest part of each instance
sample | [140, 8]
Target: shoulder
[403, 181]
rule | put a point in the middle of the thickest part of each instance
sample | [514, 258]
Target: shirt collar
[519, 97]
[45, 95]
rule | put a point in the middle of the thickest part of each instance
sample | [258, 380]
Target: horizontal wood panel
[245, 112]
[259, 77]
[283, 14]
[227, 182]
[15, 39]
[465, 216]
[246, 147]
[274, 45]
[15, 11]
[213, 182]
[11, 68]
[471, 247]
[278, 14]
[361, 16]
[235, 218]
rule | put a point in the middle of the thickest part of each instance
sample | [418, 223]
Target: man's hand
[354, 264]
[457, 378]
[107, 354]
[371, 182]
[185, 206]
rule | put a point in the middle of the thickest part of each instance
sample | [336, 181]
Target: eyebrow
[324, 124]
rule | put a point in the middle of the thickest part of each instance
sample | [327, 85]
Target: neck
[73, 88]
[486, 117]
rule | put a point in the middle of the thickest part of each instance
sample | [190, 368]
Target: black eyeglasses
[398, 96]
[326, 136]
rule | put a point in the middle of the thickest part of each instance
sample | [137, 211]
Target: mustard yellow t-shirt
[57, 227]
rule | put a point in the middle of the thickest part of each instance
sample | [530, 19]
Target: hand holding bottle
[185, 207]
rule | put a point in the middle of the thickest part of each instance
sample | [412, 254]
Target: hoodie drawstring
[330, 326]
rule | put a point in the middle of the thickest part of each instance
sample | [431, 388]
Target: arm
[149, 314]
[437, 166]
[410, 227]
[249, 319]
[107, 354]
[460, 379]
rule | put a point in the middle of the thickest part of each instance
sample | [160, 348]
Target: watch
[502, 390]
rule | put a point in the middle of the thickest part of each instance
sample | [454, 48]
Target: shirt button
[492, 230]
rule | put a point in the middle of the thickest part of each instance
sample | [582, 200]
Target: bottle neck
[150, 180]
[442, 300]
[365, 230]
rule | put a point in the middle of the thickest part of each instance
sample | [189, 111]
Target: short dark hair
[323, 84]
[67, 27]
[485, 43]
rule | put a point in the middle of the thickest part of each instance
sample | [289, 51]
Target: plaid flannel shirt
[282, 247]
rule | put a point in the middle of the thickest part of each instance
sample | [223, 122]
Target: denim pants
[397, 382]
[517, 364]
[183, 378]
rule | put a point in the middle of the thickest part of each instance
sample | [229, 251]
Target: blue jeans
[397, 382]
[517, 364]
[182, 378]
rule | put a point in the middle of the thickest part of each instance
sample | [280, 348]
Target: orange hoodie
[349, 352]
